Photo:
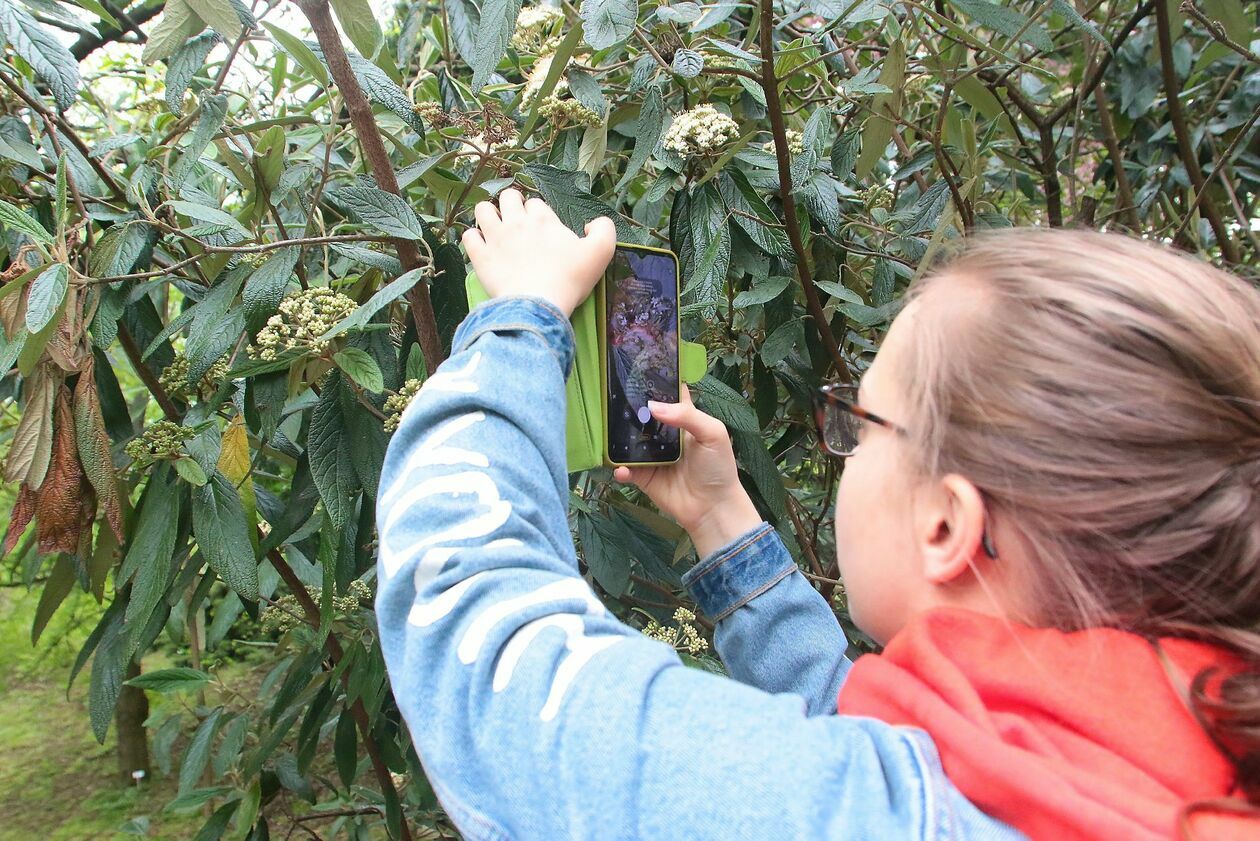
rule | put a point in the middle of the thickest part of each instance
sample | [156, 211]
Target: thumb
[601, 238]
[706, 429]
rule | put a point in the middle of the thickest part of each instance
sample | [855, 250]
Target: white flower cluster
[396, 403]
[304, 316]
[568, 111]
[795, 142]
[685, 637]
[537, 76]
[702, 129]
[284, 614]
[535, 30]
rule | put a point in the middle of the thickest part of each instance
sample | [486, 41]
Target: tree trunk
[129, 718]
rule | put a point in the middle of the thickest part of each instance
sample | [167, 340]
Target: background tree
[232, 257]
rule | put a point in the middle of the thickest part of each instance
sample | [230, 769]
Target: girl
[1052, 522]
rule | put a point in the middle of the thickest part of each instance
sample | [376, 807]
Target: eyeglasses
[839, 420]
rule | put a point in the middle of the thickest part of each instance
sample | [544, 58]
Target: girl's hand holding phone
[702, 490]
[522, 248]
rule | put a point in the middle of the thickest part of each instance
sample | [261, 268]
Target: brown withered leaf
[32, 440]
[93, 441]
[59, 501]
[19, 517]
[66, 348]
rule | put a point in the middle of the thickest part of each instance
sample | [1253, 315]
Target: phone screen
[641, 296]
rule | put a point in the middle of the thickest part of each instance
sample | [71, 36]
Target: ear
[952, 530]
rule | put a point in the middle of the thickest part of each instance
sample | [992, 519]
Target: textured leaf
[50, 60]
[219, 523]
[844, 153]
[46, 295]
[647, 134]
[819, 194]
[191, 471]
[166, 681]
[605, 552]
[346, 748]
[464, 19]
[765, 474]
[1006, 20]
[858, 11]
[209, 121]
[361, 368]
[150, 556]
[236, 466]
[198, 752]
[219, 16]
[209, 215]
[687, 63]
[59, 584]
[94, 447]
[31, 449]
[215, 330]
[878, 129]
[701, 236]
[608, 22]
[328, 444]
[183, 66]
[764, 290]
[177, 24]
[753, 215]
[19, 517]
[359, 23]
[392, 266]
[385, 295]
[494, 30]
[574, 204]
[59, 208]
[379, 87]
[120, 248]
[109, 665]
[782, 341]
[727, 405]
[386, 212]
[265, 288]
[927, 210]
[17, 220]
[301, 53]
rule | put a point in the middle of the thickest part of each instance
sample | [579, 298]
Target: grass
[56, 782]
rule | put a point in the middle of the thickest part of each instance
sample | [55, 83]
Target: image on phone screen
[641, 295]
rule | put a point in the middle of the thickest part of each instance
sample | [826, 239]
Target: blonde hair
[1105, 398]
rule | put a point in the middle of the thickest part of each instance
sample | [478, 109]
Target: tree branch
[131, 20]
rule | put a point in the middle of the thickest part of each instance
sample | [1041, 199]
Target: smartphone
[640, 295]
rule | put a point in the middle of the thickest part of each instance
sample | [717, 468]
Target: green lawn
[56, 782]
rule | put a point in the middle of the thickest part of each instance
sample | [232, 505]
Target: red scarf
[1060, 735]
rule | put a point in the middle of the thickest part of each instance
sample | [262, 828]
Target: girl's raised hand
[702, 490]
[522, 248]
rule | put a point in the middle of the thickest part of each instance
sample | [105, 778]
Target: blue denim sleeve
[774, 630]
[536, 713]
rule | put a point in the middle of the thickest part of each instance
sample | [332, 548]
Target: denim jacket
[539, 715]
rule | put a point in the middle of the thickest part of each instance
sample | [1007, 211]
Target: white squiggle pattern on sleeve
[458, 380]
[433, 450]
[566, 588]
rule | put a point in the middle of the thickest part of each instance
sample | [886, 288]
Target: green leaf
[215, 327]
[605, 550]
[198, 797]
[387, 263]
[177, 24]
[183, 66]
[58, 585]
[385, 295]
[927, 210]
[687, 63]
[835, 290]
[198, 752]
[1006, 20]
[59, 208]
[120, 248]
[219, 16]
[361, 368]
[724, 403]
[46, 55]
[753, 216]
[878, 129]
[608, 22]
[359, 23]
[764, 289]
[346, 749]
[98, 10]
[328, 442]
[647, 134]
[109, 664]
[379, 87]
[265, 288]
[11, 217]
[190, 471]
[301, 53]
[167, 681]
[574, 204]
[844, 152]
[209, 121]
[386, 212]
[498, 22]
[782, 341]
[47, 292]
[222, 532]
[464, 19]
[765, 474]
[209, 215]
[151, 554]
[701, 236]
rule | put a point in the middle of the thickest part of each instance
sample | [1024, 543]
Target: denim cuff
[739, 572]
[519, 313]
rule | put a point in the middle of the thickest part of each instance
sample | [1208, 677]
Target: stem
[373, 146]
[146, 374]
[770, 85]
[1189, 157]
[1127, 209]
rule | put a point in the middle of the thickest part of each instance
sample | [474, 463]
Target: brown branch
[1217, 31]
[335, 653]
[1185, 145]
[88, 44]
[146, 374]
[770, 85]
[1127, 209]
[382, 170]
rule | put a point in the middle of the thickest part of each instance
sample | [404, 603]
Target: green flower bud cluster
[684, 637]
[536, 30]
[174, 378]
[795, 142]
[254, 258]
[395, 404]
[162, 440]
[538, 75]
[876, 195]
[284, 614]
[568, 110]
[304, 316]
[700, 130]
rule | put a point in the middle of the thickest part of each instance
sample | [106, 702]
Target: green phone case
[585, 388]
